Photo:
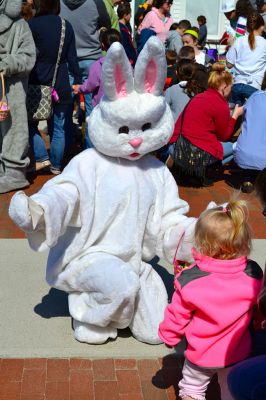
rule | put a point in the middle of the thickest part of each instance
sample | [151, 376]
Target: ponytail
[254, 22]
[251, 40]
[237, 211]
[223, 232]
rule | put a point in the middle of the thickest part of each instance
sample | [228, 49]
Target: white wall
[191, 9]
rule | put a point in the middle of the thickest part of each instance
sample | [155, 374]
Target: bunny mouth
[133, 155]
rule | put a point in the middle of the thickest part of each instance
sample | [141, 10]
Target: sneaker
[42, 164]
[247, 187]
[55, 171]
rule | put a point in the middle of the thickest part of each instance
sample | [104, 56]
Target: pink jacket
[154, 21]
[213, 307]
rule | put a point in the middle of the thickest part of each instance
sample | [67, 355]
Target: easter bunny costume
[114, 207]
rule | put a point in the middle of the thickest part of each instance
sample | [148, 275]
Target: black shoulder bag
[189, 158]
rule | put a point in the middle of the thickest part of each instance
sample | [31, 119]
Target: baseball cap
[228, 5]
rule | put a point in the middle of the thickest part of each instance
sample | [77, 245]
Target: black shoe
[247, 187]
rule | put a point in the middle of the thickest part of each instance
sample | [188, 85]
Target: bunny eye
[123, 129]
[146, 126]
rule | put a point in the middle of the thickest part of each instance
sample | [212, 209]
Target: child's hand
[75, 89]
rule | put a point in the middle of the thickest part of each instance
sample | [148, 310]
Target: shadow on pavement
[54, 304]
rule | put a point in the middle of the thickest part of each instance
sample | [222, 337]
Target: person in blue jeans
[248, 57]
[87, 17]
[60, 132]
[46, 32]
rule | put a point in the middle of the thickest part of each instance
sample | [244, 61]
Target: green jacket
[112, 14]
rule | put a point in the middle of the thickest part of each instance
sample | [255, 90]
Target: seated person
[171, 67]
[192, 80]
[206, 125]
[250, 148]
[174, 36]
[190, 38]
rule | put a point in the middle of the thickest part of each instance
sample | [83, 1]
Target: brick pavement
[85, 379]
[78, 379]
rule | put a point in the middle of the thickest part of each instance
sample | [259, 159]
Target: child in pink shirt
[214, 300]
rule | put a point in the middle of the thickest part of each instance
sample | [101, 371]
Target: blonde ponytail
[223, 232]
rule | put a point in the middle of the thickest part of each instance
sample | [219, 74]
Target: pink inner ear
[120, 81]
[150, 77]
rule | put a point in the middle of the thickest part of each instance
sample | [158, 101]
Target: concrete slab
[34, 318]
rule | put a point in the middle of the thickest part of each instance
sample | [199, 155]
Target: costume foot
[93, 334]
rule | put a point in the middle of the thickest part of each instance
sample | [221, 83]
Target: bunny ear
[117, 73]
[151, 68]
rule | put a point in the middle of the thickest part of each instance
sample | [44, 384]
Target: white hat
[228, 5]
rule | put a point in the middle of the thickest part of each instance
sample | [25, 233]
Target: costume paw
[93, 334]
[19, 211]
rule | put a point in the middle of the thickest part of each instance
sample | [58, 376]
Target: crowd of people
[208, 100]
[191, 72]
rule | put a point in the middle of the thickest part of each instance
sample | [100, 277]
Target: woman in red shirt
[207, 123]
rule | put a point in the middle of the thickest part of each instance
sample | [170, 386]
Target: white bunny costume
[114, 207]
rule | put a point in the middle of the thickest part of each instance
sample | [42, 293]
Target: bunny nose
[136, 142]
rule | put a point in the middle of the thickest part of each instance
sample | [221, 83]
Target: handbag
[4, 107]
[179, 266]
[39, 97]
[189, 158]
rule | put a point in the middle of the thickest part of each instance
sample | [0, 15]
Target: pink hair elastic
[225, 210]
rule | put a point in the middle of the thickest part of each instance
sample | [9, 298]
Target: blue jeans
[241, 92]
[247, 380]
[228, 152]
[84, 66]
[60, 132]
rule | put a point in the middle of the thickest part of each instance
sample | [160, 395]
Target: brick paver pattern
[85, 379]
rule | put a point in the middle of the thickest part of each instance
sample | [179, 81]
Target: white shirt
[200, 58]
[249, 64]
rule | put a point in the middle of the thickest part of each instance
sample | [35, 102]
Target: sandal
[42, 164]
[55, 171]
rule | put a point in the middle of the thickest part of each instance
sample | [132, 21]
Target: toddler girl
[213, 301]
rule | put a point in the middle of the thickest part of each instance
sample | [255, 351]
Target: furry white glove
[26, 213]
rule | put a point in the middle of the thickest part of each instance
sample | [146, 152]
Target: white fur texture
[135, 109]
[106, 216]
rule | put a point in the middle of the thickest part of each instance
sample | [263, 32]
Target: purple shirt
[93, 84]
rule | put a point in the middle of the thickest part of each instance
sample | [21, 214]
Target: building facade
[191, 9]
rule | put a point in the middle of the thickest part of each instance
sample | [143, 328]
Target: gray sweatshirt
[86, 18]
[177, 99]
[174, 41]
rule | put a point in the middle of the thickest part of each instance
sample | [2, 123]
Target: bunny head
[133, 118]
